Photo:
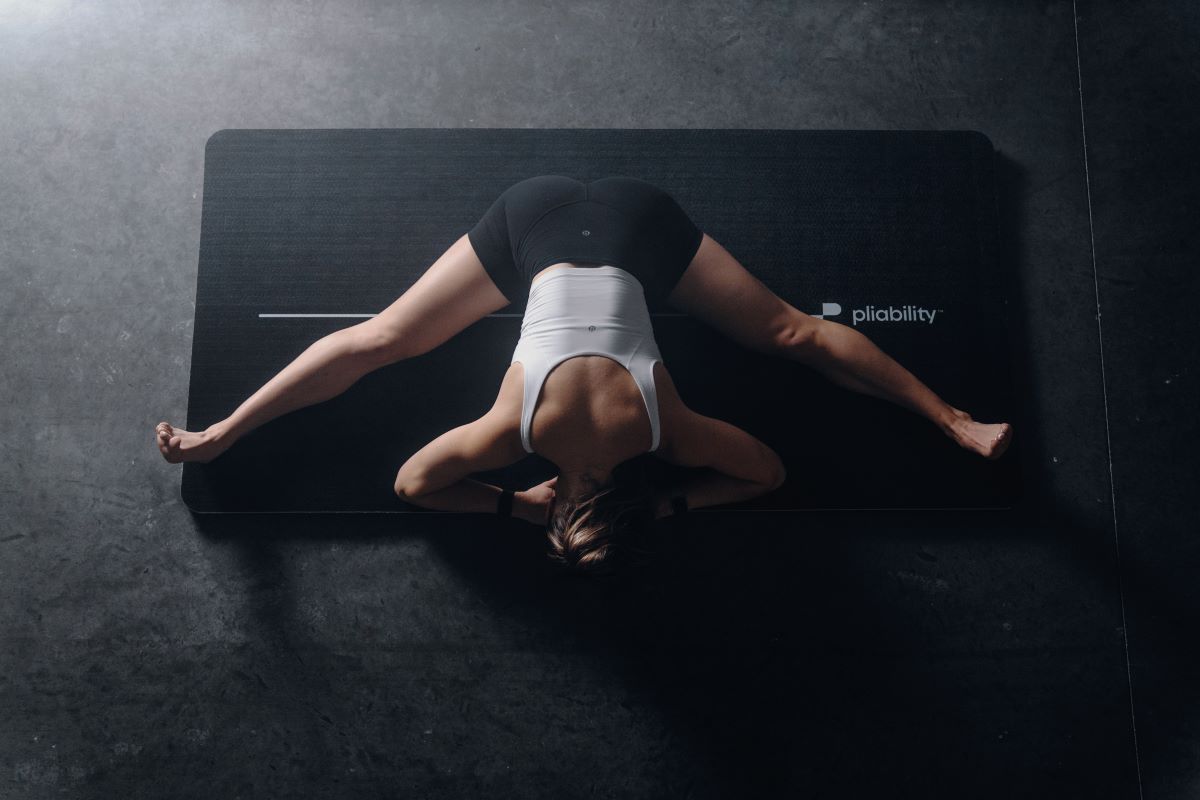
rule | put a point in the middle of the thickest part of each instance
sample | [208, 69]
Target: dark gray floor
[779, 654]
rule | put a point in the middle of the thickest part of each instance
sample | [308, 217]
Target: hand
[535, 503]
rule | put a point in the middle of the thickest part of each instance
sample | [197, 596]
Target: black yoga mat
[893, 233]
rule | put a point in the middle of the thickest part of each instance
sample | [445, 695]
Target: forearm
[709, 488]
[467, 495]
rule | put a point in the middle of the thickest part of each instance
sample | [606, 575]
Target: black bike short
[621, 221]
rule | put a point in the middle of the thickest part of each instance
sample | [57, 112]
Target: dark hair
[605, 529]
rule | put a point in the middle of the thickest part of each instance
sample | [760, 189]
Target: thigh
[453, 293]
[716, 289]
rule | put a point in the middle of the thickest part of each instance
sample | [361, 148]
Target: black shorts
[621, 221]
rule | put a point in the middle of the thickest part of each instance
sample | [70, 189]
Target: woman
[593, 258]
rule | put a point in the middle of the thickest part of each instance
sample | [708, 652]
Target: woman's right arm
[739, 465]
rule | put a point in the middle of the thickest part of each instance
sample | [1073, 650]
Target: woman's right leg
[452, 294]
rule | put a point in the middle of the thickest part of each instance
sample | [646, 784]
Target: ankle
[950, 418]
[220, 432]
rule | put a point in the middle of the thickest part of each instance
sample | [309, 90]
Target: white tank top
[576, 311]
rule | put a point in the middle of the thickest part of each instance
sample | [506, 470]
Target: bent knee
[382, 345]
[799, 333]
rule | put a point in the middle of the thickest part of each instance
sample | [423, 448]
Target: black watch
[504, 506]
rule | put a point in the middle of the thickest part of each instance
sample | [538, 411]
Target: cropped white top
[577, 311]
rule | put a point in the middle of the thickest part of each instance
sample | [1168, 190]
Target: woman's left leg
[718, 290]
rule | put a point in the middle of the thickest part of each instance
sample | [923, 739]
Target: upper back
[587, 370]
[576, 312]
[589, 410]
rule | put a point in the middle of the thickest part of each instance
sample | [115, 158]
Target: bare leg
[718, 290]
[851, 360]
[453, 293]
[326, 369]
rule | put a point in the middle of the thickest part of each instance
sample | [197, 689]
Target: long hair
[605, 529]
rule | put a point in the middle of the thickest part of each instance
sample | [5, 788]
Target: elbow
[408, 486]
[777, 481]
[776, 477]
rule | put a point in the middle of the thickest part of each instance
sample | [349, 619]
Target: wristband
[504, 507]
[679, 504]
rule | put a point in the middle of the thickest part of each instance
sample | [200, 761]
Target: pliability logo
[905, 313]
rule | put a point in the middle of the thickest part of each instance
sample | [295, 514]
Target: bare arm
[531, 505]
[436, 475]
[710, 488]
[739, 465]
[465, 495]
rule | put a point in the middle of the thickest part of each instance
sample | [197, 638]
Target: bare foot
[990, 440]
[178, 445]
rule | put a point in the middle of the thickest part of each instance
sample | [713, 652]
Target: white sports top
[577, 311]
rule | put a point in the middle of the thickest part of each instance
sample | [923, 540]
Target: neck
[574, 482]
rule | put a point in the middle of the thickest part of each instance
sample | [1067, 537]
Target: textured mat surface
[891, 232]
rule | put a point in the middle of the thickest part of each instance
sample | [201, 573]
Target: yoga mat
[893, 233]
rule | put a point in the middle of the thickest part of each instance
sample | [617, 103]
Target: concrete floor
[783, 655]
